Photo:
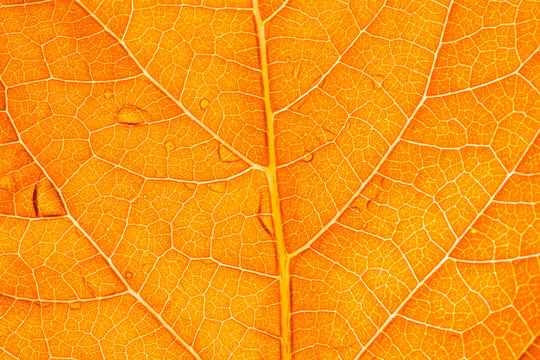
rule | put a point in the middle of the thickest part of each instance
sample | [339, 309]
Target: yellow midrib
[283, 258]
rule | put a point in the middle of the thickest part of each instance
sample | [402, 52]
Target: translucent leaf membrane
[213, 179]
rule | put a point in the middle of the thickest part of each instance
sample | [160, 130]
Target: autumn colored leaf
[270, 179]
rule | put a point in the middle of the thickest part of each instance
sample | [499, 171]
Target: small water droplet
[266, 223]
[129, 275]
[323, 82]
[145, 196]
[108, 94]
[474, 231]
[146, 267]
[204, 103]
[371, 205]
[92, 288]
[170, 145]
[75, 305]
[297, 69]
[377, 81]
[43, 304]
[190, 186]
[132, 115]
[219, 187]
[227, 155]
[160, 171]
[308, 157]
[208, 262]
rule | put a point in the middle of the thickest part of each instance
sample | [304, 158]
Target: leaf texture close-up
[270, 179]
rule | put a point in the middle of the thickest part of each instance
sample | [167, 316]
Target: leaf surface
[213, 179]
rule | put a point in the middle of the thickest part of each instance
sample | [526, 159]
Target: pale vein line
[48, 301]
[524, 78]
[447, 257]
[28, 218]
[275, 13]
[158, 316]
[334, 141]
[397, 140]
[494, 261]
[406, 318]
[178, 181]
[25, 4]
[528, 345]
[69, 81]
[165, 91]
[336, 63]
[515, 72]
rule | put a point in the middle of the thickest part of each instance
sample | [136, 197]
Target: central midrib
[283, 258]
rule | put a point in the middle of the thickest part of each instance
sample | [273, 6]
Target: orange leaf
[269, 179]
